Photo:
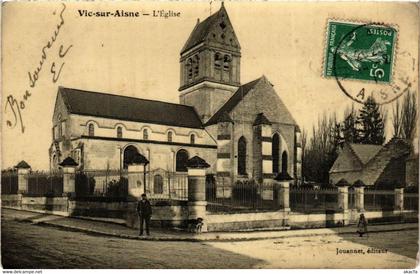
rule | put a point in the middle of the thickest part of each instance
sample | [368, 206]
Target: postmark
[361, 58]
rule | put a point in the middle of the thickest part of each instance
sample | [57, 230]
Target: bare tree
[405, 116]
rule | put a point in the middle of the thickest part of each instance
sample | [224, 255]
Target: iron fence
[45, 183]
[307, 200]
[242, 196]
[101, 183]
[379, 200]
[164, 185]
[9, 182]
[411, 201]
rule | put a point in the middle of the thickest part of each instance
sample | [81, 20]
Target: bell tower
[210, 65]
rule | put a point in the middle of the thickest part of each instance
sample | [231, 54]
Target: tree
[349, 126]
[405, 117]
[321, 149]
[371, 123]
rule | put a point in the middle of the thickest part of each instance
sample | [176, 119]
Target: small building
[372, 164]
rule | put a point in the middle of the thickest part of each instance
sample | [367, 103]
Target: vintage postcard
[212, 134]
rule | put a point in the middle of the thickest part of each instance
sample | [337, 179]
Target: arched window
[158, 184]
[226, 62]
[181, 160]
[60, 129]
[242, 156]
[91, 130]
[284, 162]
[275, 152]
[196, 64]
[119, 132]
[170, 136]
[217, 60]
[129, 153]
[189, 68]
[192, 139]
[145, 134]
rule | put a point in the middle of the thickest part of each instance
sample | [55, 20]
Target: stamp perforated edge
[360, 22]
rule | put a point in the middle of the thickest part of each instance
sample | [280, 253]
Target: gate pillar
[197, 189]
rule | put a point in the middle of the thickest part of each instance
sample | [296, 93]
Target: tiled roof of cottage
[365, 152]
[129, 108]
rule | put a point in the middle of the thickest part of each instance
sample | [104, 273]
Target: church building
[244, 131]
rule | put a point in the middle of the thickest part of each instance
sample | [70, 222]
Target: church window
[196, 65]
[119, 132]
[170, 136]
[242, 156]
[158, 184]
[91, 130]
[217, 60]
[181, 160]
[222, 25]
[145, 134]
[189, 68]
[192, 139]
[60, 132]
[275, 152]
[284, 162]
[226, 62]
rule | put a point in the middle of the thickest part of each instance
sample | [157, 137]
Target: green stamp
[360, 51]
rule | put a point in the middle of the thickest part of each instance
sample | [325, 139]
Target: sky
[140, 57]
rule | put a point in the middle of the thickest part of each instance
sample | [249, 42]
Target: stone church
[244, 131]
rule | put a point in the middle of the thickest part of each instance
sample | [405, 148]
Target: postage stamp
[360, 51]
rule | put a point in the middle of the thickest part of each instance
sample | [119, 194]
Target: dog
[195, 225]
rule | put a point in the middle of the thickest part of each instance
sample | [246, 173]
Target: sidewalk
[113, 229]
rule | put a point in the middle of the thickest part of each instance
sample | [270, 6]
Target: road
[25, 245]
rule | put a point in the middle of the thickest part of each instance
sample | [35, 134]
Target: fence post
[197, 189]
[399, 198]
[137, 175]
[343, 199]
[359, 188]
[69, 175]
[23, 170]
[283, 190]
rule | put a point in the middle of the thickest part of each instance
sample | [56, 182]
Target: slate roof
[233, 101]
[129, 108]
[201, 30]
[365, 152]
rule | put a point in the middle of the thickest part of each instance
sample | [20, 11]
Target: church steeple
[210, 64]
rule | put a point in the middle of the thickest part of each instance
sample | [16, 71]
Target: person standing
[144, 209]
[362, 225]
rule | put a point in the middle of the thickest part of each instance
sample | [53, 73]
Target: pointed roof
[201, 30]
[233, 101]
[126, 108]
[22, 164]
[197, 162]
[283, 177]
[241, 93]
[261, 120]
[342, 182]
[365, 152]
[138, 159]
[68, 162]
